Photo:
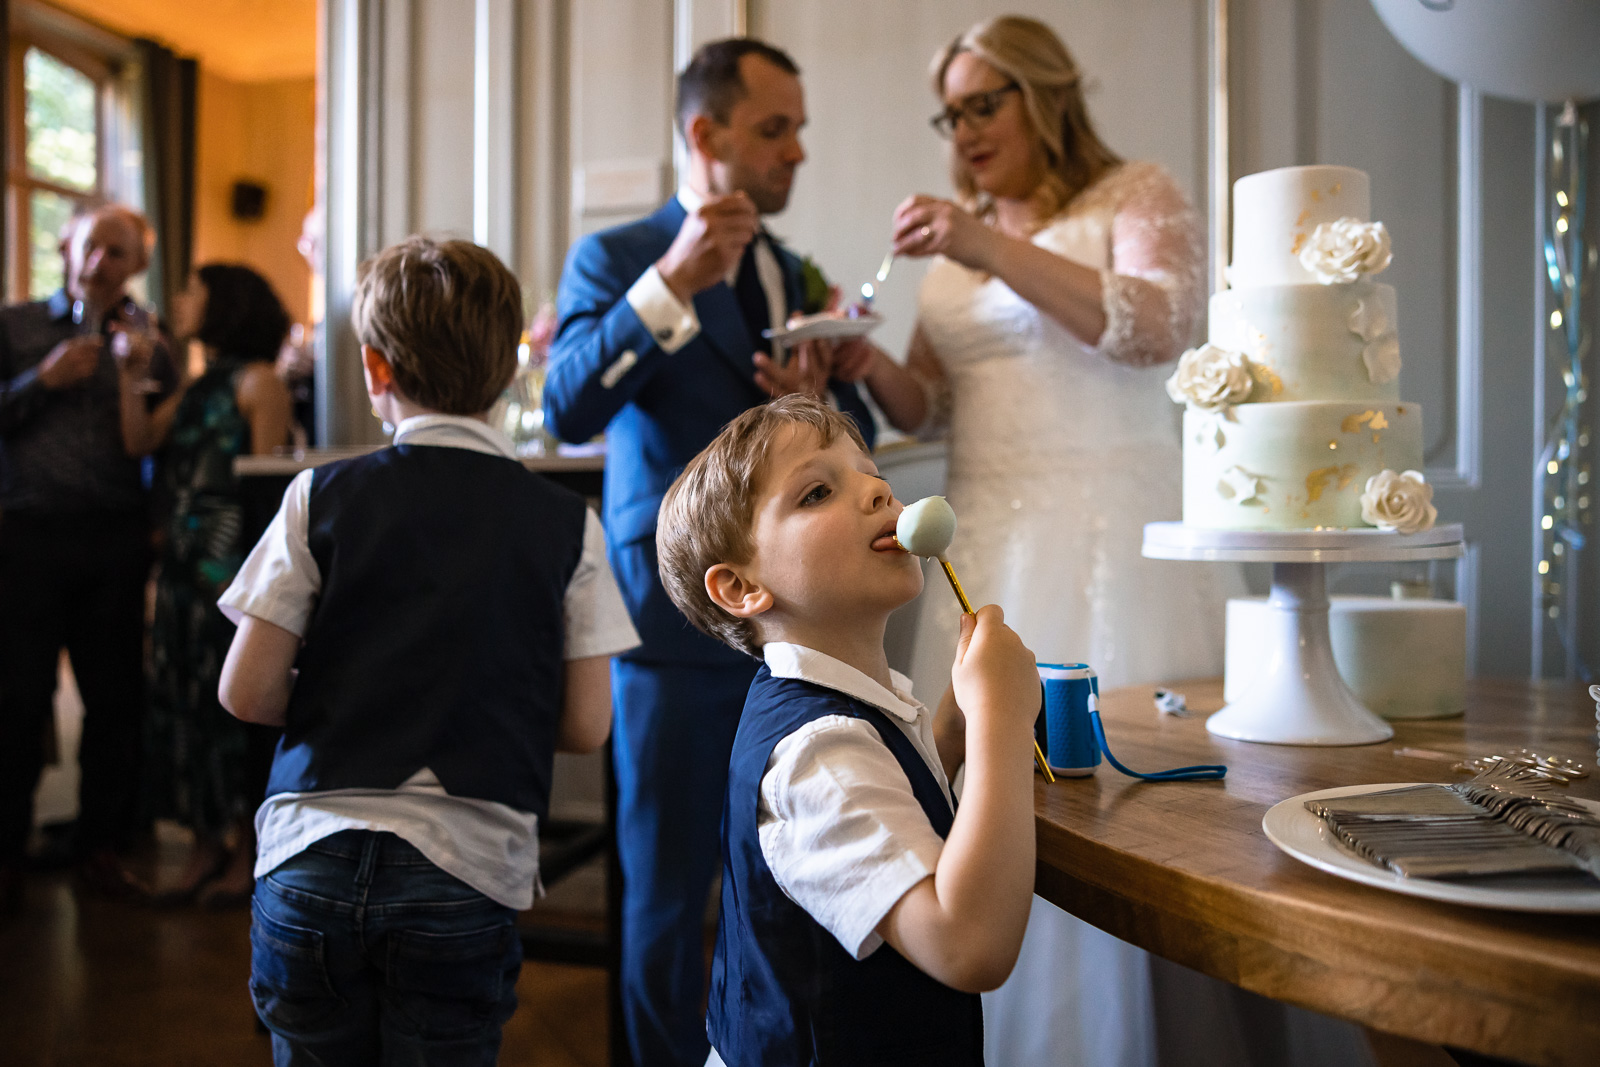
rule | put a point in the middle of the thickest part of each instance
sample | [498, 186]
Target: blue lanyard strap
[1203, 772]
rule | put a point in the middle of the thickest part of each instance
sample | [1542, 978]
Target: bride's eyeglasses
[976, 109]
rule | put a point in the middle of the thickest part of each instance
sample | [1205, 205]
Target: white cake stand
[1299, 698]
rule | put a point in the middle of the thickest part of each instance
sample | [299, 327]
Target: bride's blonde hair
[1029, 53]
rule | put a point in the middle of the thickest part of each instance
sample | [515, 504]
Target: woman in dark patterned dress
[198, 758]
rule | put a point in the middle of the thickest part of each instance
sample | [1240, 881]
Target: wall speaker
[249, 201]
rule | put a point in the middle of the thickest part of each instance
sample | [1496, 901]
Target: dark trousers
[76, 584]
[673, 736]
[363, 952]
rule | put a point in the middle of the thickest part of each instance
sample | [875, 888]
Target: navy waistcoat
[437, 640]
[783, 990]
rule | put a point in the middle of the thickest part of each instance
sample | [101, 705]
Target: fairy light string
[1565, 467]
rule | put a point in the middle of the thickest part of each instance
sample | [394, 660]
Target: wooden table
[1185, 871]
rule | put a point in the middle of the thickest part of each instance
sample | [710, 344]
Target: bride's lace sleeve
[1155, 290]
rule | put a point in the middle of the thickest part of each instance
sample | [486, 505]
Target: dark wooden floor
[86, 980]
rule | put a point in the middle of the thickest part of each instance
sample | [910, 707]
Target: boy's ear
[735, 593]
[375, 367]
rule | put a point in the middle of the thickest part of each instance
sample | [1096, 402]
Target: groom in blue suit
[659, 344]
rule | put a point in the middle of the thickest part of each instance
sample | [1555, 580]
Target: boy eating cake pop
[861, 914]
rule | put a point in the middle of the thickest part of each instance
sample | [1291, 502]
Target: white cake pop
[926, 527]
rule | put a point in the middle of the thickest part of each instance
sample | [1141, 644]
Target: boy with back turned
[429, 623]
[861, 914]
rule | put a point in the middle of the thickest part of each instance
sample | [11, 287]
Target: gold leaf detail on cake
[1318, 480]
[1336, 187]
[1353, 423]
[1299, 242]
[1301, 221]
[1333, 446]
[1268, 378]
[1316, 196]
[1378, 421]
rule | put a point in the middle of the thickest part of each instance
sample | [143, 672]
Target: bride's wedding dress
[1060, 452]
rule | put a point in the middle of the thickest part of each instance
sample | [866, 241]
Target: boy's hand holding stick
[926, 528]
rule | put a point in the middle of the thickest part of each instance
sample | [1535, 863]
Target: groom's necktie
[753, 296]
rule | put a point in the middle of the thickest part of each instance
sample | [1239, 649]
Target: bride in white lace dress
[1063, 286]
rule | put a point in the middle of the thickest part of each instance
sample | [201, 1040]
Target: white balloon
[1522, 49]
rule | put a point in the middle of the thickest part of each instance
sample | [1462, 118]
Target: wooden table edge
[1269, 945]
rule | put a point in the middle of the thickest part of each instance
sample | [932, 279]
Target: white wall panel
[442, 145]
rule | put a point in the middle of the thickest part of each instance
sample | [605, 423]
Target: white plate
[1307, 838]
[825, 326]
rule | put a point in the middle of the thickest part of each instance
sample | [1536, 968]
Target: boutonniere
[814, 287]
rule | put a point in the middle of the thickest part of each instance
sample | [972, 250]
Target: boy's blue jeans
[363, 952]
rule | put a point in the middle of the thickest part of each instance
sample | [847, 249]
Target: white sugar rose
[1400, 502]
[1211, 378]
[1346, 249]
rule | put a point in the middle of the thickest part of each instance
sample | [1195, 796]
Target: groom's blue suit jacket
[658, 409]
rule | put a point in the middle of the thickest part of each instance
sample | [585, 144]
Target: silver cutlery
[1504, 821]
[867, 289]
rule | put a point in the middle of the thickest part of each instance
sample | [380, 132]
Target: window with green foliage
[60, 109]
[60, 166]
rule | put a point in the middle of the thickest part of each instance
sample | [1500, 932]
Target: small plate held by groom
[825, 325]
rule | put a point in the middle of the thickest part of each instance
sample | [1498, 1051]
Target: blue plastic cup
[1070, 747]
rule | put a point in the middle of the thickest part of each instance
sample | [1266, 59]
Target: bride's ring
[926, 233]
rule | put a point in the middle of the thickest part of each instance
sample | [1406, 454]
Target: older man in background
[74, 543]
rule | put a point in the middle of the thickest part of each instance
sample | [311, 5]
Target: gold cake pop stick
[966, 606]
[926, 528]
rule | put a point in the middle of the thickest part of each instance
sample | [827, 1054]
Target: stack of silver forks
[1500, 823]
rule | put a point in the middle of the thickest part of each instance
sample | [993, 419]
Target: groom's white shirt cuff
[670, 321]
[673, 323]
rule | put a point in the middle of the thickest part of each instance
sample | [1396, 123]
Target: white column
[494, 124]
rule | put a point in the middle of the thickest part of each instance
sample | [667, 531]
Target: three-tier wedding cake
[1294, 418]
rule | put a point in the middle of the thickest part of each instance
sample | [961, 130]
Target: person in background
[296, 366]
[660, 344]
[430, 623]
[74, 544]
[203, 768]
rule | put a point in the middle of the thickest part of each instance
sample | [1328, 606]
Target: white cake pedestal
[1299, 698]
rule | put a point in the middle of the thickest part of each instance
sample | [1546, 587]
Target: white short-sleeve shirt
[840, 828]
[492, 847]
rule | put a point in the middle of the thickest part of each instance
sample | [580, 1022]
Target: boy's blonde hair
[448, 315]
[708, 514]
